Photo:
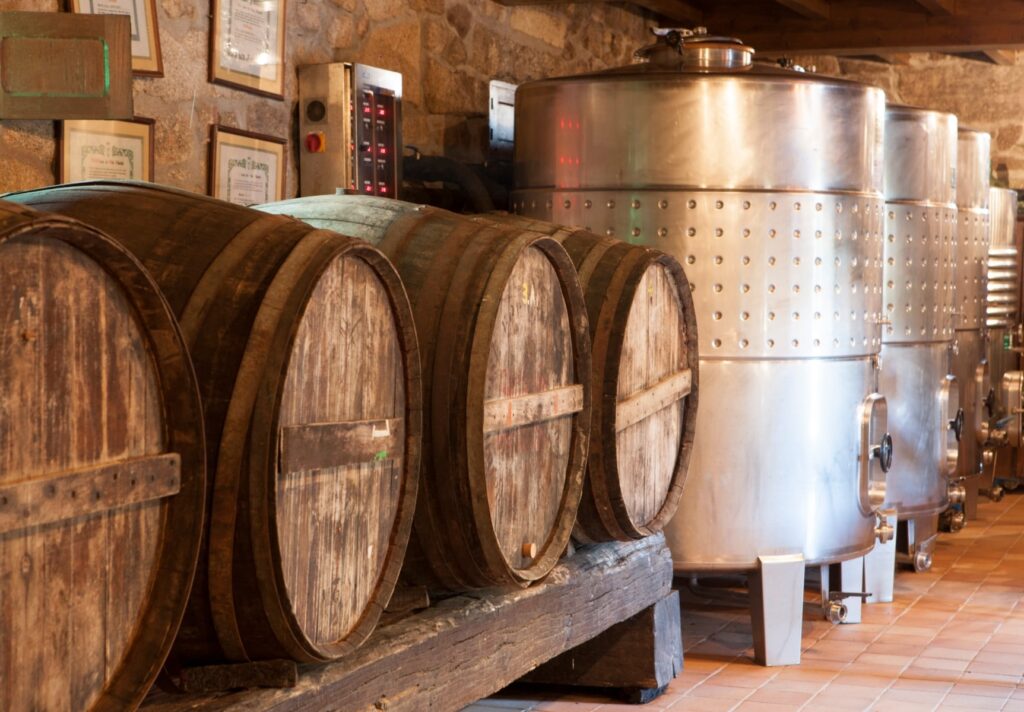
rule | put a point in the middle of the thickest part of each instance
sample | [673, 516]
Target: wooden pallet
[468, 647]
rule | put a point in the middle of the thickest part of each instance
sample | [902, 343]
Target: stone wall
[447, 50]
[984, 96]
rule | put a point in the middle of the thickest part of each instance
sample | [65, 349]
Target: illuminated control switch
[316, 142]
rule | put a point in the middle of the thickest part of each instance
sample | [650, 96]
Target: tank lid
[694, 49]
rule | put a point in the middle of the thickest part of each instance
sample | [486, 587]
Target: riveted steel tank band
[774, 275]
[972, 199]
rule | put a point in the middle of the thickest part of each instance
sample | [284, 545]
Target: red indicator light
[383, 150]
[367, 109]
[383, 188]
[381, 112]
[368, 187]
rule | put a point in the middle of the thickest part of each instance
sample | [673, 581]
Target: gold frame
[139, 127]
[152, 65]
[225, 136]
[254, 83]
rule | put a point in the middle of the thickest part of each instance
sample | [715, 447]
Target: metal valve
[990, 402]
[883, 452]
[957, 493]
[957, 423]
[836, 612]
[922, 561]
[883, 530]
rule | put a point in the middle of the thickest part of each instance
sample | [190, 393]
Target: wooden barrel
[503, 333]
[102, 469]
[644, 334]
[305, 351]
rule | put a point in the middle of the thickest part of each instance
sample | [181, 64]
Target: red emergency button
[316, 142]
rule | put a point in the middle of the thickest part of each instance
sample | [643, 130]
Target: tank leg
[880, 565]
[776, 609]
[916, 540]
[972, 485]
[842, 591]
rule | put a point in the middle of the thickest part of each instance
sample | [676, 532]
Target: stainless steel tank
[922, 395]
[1003, 298]
[1000, 458]
[970, 347]
[767, 185]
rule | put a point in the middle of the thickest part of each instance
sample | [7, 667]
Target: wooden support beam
[468, 647]
[938, 7]
[815, 9]
[639, 656]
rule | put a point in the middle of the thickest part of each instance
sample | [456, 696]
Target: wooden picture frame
[106, 150]
[247, 45]
[246, 168]
[147, 58]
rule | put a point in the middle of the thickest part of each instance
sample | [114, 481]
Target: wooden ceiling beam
[1006, 57]
[814, 9]
[869, 27]
[938, 7]
[678, 11]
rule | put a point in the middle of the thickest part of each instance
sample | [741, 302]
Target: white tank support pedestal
[777, 609]
[880, 563]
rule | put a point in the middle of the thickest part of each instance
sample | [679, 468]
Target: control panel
[350, 129]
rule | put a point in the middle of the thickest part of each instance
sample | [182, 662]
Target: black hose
[439, 168]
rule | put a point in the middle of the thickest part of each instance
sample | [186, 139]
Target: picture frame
[247, 44]
[147, 58]
[90, 149]
[246, 168]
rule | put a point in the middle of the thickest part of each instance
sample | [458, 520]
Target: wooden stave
[400, 230]
[250, 247]
[603, 262]
[157, 626]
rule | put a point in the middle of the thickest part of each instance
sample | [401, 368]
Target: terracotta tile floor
[953, 639]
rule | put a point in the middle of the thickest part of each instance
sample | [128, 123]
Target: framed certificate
[246, 168]
[247, 45]
[146, 58]
[118, 150]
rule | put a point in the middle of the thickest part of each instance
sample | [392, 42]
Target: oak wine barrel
[644, 335]
[305, 351]
[102, 469]
[503, 334]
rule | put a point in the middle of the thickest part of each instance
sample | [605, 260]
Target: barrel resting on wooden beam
[649, 401]
[443, 658]
[321, 445]
[71, 494]
[508, 413]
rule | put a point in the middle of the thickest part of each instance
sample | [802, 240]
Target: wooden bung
[503, 334]
[305, 351]
[102, 469]
[644, 335]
